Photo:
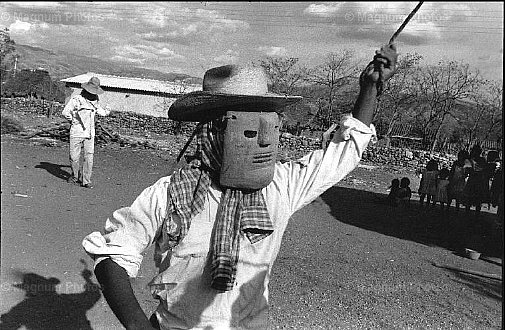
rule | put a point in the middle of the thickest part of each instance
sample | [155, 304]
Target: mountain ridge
[62, 65]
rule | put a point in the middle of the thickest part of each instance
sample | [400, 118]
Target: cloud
[378, 20]
[35, 4]
[323, 10]
[231, 56]
[272, 50]
[119, 58]
[185, 26]
[141, 53]
[20, 26]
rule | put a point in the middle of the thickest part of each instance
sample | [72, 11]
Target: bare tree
[337, 71]
[397, 98]
[438, 89]
[483, 119]
[285, 74]
[8, 54]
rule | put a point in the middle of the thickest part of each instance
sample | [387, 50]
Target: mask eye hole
[219, 125]
[250, 134]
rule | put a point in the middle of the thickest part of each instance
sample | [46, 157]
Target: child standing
[428, 184]
[404, 193]
[457, 177]
[477, 185]
[442, 195]
[393, 193]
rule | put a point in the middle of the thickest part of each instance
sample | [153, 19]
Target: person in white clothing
[217, 223]
[80, 111]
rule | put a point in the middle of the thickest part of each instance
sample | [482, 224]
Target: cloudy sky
[190, 37]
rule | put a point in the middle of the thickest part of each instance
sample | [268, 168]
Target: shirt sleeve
[130, 230]
[319, 170]
[102, 111]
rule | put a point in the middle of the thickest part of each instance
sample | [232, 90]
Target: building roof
[139, 84]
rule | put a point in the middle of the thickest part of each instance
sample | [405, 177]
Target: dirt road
[348, 260]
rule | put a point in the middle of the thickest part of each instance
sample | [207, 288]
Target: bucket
[472, 254]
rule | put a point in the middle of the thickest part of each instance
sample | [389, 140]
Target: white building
[143, 96]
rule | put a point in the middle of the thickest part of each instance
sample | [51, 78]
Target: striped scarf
[238, 212]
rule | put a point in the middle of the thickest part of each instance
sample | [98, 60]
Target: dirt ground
[348, 260]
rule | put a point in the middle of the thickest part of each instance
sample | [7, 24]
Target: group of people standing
[471, 181]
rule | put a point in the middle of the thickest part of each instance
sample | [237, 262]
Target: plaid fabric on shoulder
[238, 212]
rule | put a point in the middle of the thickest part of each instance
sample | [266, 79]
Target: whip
[380, 83]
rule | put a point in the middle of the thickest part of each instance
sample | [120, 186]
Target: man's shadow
[55, 169]
[45, 308]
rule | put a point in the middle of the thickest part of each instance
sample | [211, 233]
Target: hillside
[62, 65]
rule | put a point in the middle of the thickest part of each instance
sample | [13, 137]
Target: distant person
[496, 193]
[477, 186]
[393, 192]
[80, 112]
[457, 178]
[428, 184]
[404, 193]
[492, 165]
[217, 223]
[442, 195]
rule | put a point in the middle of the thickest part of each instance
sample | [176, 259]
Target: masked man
[217, 223]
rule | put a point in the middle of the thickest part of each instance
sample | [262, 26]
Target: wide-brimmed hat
[229, 88]
[93, 86]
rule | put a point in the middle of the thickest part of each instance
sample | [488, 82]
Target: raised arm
[383, 65]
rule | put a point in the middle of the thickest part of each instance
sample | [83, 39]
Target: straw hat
[226, 88]
[93, 86]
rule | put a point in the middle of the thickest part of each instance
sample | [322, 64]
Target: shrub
[10, 126]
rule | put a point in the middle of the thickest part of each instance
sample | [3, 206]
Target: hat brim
[92, 89]
[203, 106]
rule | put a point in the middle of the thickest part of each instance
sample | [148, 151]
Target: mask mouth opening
[263, 158]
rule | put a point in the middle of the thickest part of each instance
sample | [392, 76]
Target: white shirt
[183, 284]
[81, 112]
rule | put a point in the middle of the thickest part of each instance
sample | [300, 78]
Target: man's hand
[382, 67]
[371, 82]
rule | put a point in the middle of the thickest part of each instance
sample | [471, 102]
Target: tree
[482, 118]
[338, 70]
[397, 97]
[34, 83]
[437, 91]
[287, 77]
[7, 53]
[285, 74]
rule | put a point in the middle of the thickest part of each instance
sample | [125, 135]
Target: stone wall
[291, 147]
[405, 158]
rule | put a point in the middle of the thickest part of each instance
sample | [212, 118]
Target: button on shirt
[81, 112]
[187, 300]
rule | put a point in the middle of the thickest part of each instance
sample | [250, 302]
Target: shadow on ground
[55, 169]
[46, 307]
[429, 225]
